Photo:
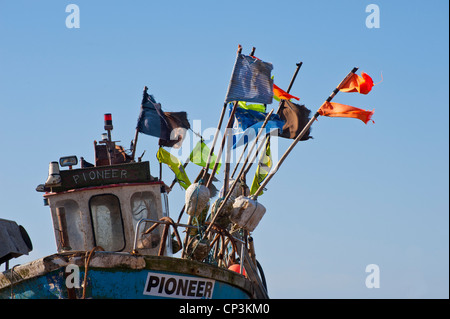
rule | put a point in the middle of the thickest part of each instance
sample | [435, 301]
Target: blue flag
[248, 122]
[170, 127]
[250, 81]
[152, 120]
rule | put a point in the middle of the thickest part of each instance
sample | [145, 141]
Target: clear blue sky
[354, 195]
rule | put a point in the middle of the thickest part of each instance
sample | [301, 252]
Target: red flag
[332, 109]
[279, 94]
[362, 84]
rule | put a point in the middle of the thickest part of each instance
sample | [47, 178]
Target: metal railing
[245, 259]
[147, 220]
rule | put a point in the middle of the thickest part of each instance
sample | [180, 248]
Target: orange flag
[279, 94]
[332, 109]
[362, 84]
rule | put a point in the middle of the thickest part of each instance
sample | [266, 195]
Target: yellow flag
[175, 165]
[263, 169]
[254, 107]
[200, 155]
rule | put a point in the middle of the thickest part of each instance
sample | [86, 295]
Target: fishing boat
[114, 233]
[115, 239]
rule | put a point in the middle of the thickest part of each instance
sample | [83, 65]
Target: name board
[104, 175]
[180, 287]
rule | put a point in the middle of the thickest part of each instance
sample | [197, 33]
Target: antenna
[106, 138]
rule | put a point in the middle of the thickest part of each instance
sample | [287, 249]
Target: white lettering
[197, 309]
[73, 279]
[247, 308]
[100, 174]
[73, 19]
[373, 19]
[373, 279]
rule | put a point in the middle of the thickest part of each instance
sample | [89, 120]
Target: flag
[254, 107]
[263, 169]
[153, 121]
[179, 124]
[248, 122]
[362, 84]
[279, 94]
[250, 81]
[296, 117]
[175, 165]
[199, 156]
[332, 109]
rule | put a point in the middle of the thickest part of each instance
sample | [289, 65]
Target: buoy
[196, 199]
[237, 268]
[223, 220]
[247, 213]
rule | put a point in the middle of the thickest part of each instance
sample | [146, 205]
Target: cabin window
[107, 222]
[143, 205]
[73, 223]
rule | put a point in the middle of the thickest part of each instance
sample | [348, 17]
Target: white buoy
[247, 213]
[196, 199]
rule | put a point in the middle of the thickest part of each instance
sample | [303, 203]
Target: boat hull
[122, 276]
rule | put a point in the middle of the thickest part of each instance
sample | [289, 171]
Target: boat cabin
[102, 206]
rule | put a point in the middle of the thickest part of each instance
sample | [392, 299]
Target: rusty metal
[86, 267]
[62, 225]
[167, 221]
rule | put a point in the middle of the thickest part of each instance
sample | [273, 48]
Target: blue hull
[120, 282]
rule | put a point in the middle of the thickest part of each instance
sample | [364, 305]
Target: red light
[108, 122]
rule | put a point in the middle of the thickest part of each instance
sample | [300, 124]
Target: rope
[199, 227]
[197, 189]
[222, 233]
[86, 266]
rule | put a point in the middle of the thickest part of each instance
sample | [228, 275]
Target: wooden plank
[104, 175]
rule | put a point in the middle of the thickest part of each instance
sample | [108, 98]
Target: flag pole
[208, 161]
[219, 153]
[239, 160]
[246, 145]
[255, 155]
[136, 134]
[230, 191]
[300, 135]
[219, 125]
[299, 65]
[187, 161]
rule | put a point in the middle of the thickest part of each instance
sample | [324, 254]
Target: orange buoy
[237, 268]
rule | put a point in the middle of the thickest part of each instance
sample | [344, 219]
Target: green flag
[254, 107]
[175, 165]
[263, 169]
[199, 156]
